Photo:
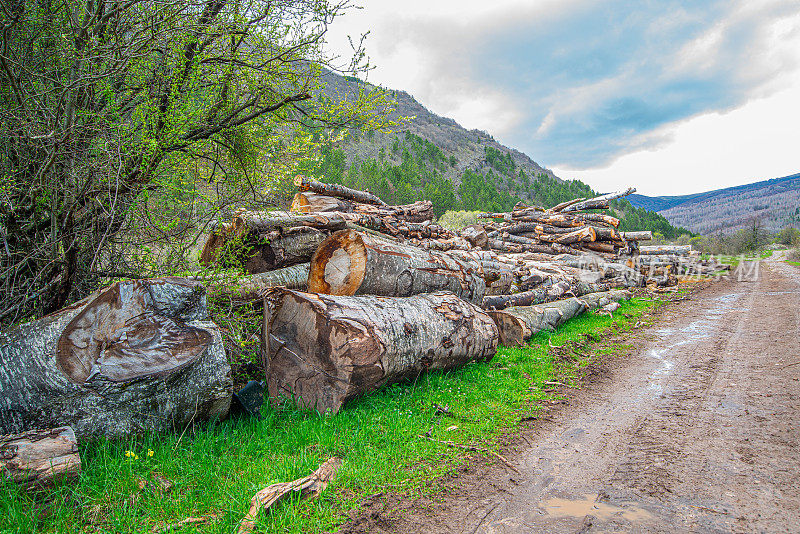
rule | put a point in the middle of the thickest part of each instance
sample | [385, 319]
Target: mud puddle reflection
[589, 505]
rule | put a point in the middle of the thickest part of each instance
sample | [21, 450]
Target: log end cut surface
[308, 350]
[121, 335]
[339, 264]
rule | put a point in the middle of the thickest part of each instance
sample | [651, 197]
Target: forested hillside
[433, 158]
[770, 204]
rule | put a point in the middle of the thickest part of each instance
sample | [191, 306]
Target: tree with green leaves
[127, 125]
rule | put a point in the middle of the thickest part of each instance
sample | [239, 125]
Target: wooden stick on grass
[309, 487]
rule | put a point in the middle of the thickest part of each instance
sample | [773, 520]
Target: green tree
[131, 124]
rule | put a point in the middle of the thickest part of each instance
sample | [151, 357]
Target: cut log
[338, 191]
[501, 283]
[417, 212]
[517, 325]
[681, 250]
[324, 350]
[476, 235]
[548, 291]
[307, 202]
[646, 235]
[247, 289]
[39, 458]
[601, 202]
[136, 356]
[292, 248]
[355, 263]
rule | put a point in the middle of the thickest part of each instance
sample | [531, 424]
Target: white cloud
[755, 142]
[425, 47]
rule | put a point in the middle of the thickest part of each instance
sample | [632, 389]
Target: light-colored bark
[241, 290]
[335, 190]
[135, 356]
[324, 350]
[40, 457]
[518, 324]
[355, 263]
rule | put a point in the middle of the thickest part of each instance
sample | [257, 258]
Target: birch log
[241, 290]
[334, 190]
[680, 250]
[518, 324]
[323, 350]
[548, 291]
[308, 202]
[283, 251]
[355, 263]
[135, 356]
[39, 457]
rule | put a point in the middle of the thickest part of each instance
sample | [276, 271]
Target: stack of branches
[562, 229]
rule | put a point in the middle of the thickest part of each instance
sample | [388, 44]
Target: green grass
[217, 468]
[766, 253]
[793, 262]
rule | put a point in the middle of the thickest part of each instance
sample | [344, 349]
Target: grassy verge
[216, 469]
[793, 262]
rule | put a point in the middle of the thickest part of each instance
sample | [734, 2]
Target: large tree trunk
[355, 263]
[519, 324]
[136, 356]
[324, 350]
[40, 457]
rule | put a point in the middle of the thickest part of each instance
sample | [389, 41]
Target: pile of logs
[564, 228]
[356, 294]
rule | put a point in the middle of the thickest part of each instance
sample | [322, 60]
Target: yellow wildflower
[150, 452]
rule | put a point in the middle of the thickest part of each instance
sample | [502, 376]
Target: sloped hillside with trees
[433, 158]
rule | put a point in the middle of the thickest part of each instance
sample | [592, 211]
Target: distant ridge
[774, 203]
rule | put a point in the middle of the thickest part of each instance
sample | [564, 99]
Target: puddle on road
[588, 505]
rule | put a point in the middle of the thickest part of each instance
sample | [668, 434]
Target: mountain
[774, 204]
[434, 158]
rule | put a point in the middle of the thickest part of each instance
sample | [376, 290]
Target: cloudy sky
[672, 97]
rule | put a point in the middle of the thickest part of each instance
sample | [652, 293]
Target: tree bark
[600, 202]
[548, 291]
[135, 356]
[355, 263]
[476, 235]
[680, 250]
[251, 288]
[517, 325]
[40, 457]
[645, 235]
[417, 212]
[308, 202]
[283, 251]
[324, 350]
[338, 191]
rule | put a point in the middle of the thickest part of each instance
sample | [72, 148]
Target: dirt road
[696, 431]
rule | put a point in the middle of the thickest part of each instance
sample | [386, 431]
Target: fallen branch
[309, 488]
[473, 448]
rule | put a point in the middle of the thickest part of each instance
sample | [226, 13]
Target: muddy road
[697, 430]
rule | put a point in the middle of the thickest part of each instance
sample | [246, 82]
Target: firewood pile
[356, 295]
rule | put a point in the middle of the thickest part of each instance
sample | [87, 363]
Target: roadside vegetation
[136, 484]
